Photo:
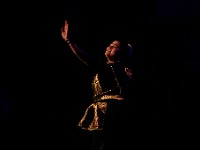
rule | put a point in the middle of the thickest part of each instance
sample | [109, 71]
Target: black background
[44, 88]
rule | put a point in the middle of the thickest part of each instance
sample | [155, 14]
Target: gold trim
[116, 97]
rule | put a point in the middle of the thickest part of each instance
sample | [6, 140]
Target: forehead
[117, 43]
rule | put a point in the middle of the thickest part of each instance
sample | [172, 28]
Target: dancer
[107, 117]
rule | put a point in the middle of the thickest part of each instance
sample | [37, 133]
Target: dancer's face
[112, 50]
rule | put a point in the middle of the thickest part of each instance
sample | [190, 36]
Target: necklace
[116, 79]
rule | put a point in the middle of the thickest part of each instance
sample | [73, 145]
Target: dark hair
[126, 53]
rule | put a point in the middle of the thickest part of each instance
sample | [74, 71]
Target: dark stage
[43, 88]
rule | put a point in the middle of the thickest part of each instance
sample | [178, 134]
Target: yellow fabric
[102, 106]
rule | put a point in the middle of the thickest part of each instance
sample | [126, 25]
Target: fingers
[65, 27]
[128, 70]
[66, 24]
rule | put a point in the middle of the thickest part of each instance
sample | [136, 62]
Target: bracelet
[68, 41]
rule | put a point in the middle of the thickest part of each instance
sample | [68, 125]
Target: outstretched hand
[64, 31]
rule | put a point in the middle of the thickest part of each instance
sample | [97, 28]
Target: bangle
[68, 41]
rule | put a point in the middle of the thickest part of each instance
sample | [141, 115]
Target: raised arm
[81, 55]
